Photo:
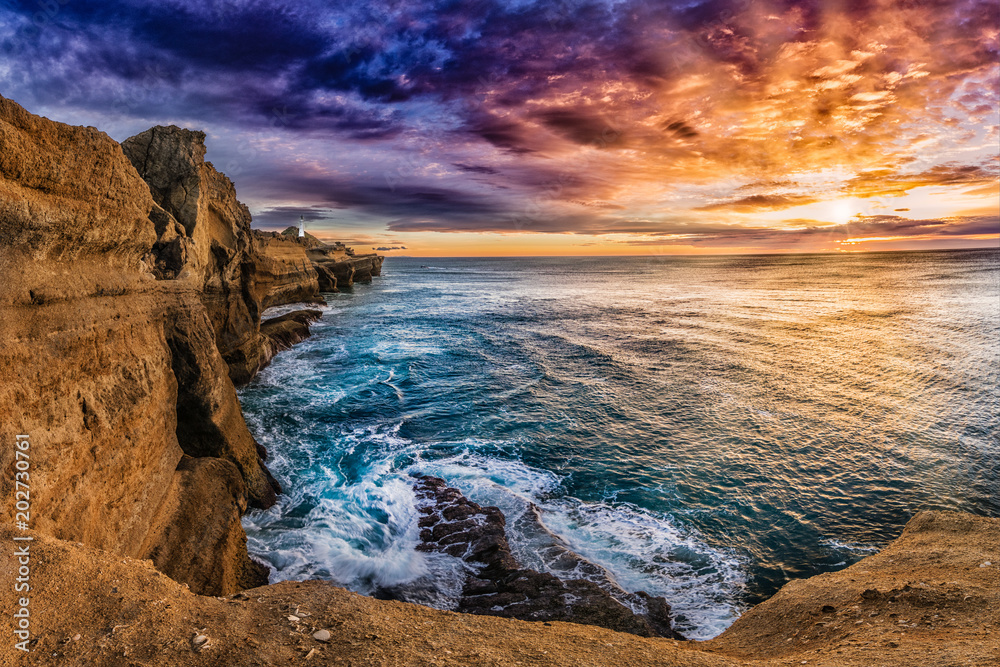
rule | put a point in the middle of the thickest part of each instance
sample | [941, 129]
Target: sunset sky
[485, 127]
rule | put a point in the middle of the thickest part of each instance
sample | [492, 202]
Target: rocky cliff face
[283, 272]
[335, 265]
[115, 301]
[338, 270]
[204, 238]
[113, 367]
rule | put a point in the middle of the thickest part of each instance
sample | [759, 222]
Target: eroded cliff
[283, 272]
[111, 356]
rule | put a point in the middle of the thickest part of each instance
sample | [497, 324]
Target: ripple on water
[702, 428]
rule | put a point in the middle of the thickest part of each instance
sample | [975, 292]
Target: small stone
[986, 564]
[199, 642]
[293, 618]
[76, 637]
[322, 635]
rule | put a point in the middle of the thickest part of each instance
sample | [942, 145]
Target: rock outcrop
[204, 238]
[336, 266]
[338, 270]
[283, 272]
[285, 331]
[453, 524]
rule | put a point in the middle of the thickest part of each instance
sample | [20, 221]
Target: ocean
[705, 428]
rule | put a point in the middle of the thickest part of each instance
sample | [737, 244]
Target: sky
[558, 127]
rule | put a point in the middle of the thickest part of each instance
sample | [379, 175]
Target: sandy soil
[928, 600]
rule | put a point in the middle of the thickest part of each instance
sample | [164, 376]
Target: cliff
[121, 302]
[283, 272]
[336, 266]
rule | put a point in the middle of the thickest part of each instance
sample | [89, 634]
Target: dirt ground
[931, 599]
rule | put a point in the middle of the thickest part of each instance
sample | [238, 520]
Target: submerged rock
[454, 525]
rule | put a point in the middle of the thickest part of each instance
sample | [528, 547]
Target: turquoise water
[704, 428]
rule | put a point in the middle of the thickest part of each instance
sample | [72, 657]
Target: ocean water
[705, 428]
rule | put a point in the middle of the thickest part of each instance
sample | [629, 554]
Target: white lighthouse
[302, 226]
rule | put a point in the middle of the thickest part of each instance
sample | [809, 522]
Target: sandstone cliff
[336, 266]
[338, 270]
[283, 272]
[204, 238]
[112, 317]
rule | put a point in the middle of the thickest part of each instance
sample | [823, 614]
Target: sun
[840, 211]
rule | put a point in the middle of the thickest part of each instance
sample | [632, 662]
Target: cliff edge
[927, 599]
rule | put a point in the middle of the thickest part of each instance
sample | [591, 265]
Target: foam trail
[641, 550]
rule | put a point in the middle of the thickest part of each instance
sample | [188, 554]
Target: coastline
[132, 309]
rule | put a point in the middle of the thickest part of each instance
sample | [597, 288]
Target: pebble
[322, 635]
[293, 619]
[199, 642]
[76, 638]
[986, 564]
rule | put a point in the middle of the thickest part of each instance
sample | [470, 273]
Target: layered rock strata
[453, 524]
[337, 266]
[128, 304]
[285, 331]
[283, 272]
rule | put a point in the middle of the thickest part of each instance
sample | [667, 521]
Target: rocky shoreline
[498, 586]
[132, 290]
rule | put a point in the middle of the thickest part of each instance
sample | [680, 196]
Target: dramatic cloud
[635, 121]
[760, 203]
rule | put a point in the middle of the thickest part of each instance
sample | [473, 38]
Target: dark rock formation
[283, 332]
[205, 239]
[454, 525]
